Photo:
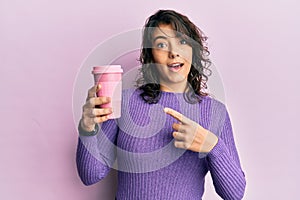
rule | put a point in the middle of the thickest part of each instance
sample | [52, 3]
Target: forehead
[164, 30]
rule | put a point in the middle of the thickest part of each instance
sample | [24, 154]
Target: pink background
[254, 44]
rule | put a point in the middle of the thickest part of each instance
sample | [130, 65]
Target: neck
[176, 88]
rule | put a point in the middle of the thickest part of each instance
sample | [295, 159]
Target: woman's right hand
[91, 111]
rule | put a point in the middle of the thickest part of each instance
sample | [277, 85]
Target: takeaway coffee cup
[110, 79]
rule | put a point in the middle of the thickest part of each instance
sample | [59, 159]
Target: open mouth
[175, 66]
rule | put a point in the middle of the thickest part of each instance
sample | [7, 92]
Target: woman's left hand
[190, 135]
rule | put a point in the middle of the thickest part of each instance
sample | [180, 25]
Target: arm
[224, 165]
[96, 154]
[223, 161]
[96, 149]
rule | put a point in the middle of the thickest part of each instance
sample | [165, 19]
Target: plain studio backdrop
[44, 44]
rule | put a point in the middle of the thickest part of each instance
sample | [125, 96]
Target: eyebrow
[159, 37]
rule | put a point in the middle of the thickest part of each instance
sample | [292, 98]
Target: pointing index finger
[180, 117]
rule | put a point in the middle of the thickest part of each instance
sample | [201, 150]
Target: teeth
[175, 65]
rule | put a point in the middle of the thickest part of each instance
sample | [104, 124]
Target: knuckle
[87, 104]
[96, 120]
[174, 126]
[101, 111]
[101, 100]
[93, 112]
[84, 113]
[90, 101]
[105, 99]
[105, 118]
[108, 111]
[176, 144]
[185, 145]
[100, 119]
[85, 110]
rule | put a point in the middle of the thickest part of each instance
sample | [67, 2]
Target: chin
[177, 80]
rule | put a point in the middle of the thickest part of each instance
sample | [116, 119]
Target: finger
[178, 127]
[101, 111]
[181, 144]
[92, 91]
[101, 119]
[92, 102]
[102, 100]
[180, 117]
[179, 136]
[96, 112]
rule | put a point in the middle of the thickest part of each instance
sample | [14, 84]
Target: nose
[173, 54]
[173, 51]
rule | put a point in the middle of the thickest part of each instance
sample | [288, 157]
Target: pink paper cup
[110, 79]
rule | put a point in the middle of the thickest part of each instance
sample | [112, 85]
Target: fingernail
[98, 87]
[166, 110]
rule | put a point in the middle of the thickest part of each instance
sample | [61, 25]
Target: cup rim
[107, 69]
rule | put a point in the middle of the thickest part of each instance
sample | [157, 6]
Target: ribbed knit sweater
[140, 146]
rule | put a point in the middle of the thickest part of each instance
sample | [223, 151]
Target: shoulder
[212, 104]
[131, 93]
[215, 112]
[132, 96]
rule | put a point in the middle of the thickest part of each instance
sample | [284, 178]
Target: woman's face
[173, 57]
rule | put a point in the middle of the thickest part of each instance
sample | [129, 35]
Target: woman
[171, 133]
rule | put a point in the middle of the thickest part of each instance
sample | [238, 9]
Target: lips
[175, 66]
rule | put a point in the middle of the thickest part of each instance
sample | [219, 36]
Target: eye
[183, 41]
[161, 45]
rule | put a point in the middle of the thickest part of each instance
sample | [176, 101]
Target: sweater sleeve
[224, 165]
[96, 154]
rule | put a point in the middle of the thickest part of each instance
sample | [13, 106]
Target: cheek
[159, 55]
[187, 71]
[159, 71]
[188, 54]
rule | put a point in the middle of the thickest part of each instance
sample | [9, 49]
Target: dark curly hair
[199, 72]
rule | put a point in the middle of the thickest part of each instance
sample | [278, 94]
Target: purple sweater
[140, 146]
